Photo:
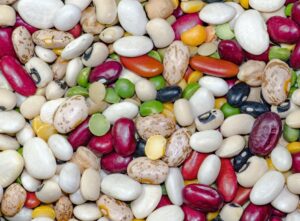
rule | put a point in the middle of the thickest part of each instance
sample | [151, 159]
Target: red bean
[178, 12]
[277, 213]
[21, 22]
[265, 133]
[262, 57]
[115, 163]
[107, 72]
[17, 76]
[242, 195]
[256, 213]
[6, 45]
[76, 31]
[192, 164]
[101, 145]
[164, 201]
[227, 181]
[202, 197]
[283, 30]
[81, 135]
[296, 12]
[289, 1]
[275, 218]
[296, 162]
[123, 136]
[230, 50]
[192, 215]
[295, 57]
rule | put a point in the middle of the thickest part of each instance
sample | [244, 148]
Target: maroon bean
[102, 144]
[21, 22]
[289, 1]
[202, 197]
[296, 162]
[256, 213]
[265, 133]
[185, 23]
[164, 201]
[178, 12]
[115, 163]
[275, 218]
[262, 57]
[296, 12]
[231, 82]
[295, 57]
[81, 135]
[230, 50]
[17, 76]
[107, 72]
[192, 215]
[123, 136]
[6, 45]
[283, 30]
[277, 213]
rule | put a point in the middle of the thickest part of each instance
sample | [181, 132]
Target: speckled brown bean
[251, 72]
[85, 158]
[178, 148]
[13, 199]
[63, 209]
[114, 209]
[156, 124]
[89, 21]
[148, 171]
[59, 68]
[52, 39]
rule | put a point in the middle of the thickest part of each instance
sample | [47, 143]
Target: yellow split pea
[155, 147]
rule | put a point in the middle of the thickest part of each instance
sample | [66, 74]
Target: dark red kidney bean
[107, 72]
[169, 94]
[275, 218]
[296, 162]
[231, 82]
[192, 164]
[262, 57]
[21, 22]
[81, 135]
[265, 133]
[164, 201]
[254, 108]
[295, 57]
[227, 181]
[289, 1]
[6, 45]
[185, 23]
[140, 148]
[192, 215]
[242, 195]
[241, 159]
[230, 50]
[17, 76]
[202, 197]
[178, 12]
[123, 136]
[102, 144]
[296, 12]
[115, 163]
[256, 213]
[283, 30]
[238, 94]
[76, 31]
[276, 212]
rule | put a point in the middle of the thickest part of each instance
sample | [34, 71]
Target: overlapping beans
[152, 110]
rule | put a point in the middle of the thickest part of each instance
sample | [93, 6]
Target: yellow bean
[194, 77]
[155, 147]
[187, 182]
[192, 6]
[43, 211]
[294, 147]
[244, 4]
[219, 102]
[211, 216]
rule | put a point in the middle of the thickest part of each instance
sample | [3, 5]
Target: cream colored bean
[11, 121]
[296, 97]
[95, 55]
[89, 21]
[60, 147]
[293, 119]
[183, 112]
[284, 109]
[209, 120]
[237, 124]
[73, 69]
[90, 184]
[50, 38]
[56, 89]
[45, 54]
[25, 134]
[69, 178]
[145, 90]
[209, 170]
[8, 143]
[106, 11]
[59, 68]
[97, 92]
[49, 109]
[166, 8]
[251, 72]
[207, 49]
[111, 34]
[174, 185]
[231, 146]
[85, 159]
[254, 94]
[286, 201]
[31, 107]
[23, 215]
[49, 192]
[29, 183]
[7, 15]
[293, 182]
[206, 141]
[167, 213]
[77, 198]
[8, 99]
[232, 212]
[281, 158]
[87, 212]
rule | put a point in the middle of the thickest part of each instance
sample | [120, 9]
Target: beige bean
[59, 68]
[7, 2]
[56, 89]
[8, 99]
[48, 192]
[97, 92]
[95, 55]
[210, 120]
[89, 21]
[106, 11]
[90, 184]
[8, 142]
[111, 34]
[293, 183]
[96, 107]
[183, 112]
[240, 124]
[7, 15]
[251, 72]
[254, 94]
[293, 119]
[85, 159]
[145, 90]
[31, 107]
[231, 146]
[165, 8]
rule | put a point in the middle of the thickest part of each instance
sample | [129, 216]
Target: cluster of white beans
[117, 110]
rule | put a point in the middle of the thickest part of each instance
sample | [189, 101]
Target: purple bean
[296, 163]
[256, 213]
[230, 50]
[81, 135]
[21, 22]
[6, 45]
[295, 57]
[192, 215]
[296, 12]
[102, 144]
[107, 72]
[115, 163]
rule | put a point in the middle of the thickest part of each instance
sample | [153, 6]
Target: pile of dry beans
[149, 110]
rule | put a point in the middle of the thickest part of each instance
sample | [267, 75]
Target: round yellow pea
[155, 147]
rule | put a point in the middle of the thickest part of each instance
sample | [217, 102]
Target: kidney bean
[254, 108]
[192, 215]
[169, 94]
[185, 23]
[296, 12]
[115, 163]
[242, 195]
[102, 144]
[192, 164]
[76, 31]
[256, 213]
[6, 44]
[31, 201]
[289, 1]
[275, 218]
[107, 72]
[164, 201]
[202, 198]
[230, 50]
[144, 65]
[178, 12]
[227, 181]
[283, 30]
[240, 160]
[81, 135]
[123, 136]
[214, 67]
[265, 133]
[21, 22]
[238, 94]
[296, 162]
[295, 57]
[262, 57]
[140, 148]
[277, 213]
[17, 77]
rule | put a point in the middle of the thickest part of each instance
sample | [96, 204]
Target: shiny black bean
[169, 94]
[240, 160]
[238, 94]
[254, 108]
[140, 148]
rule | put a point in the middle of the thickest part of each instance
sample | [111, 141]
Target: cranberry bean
[289, 1]
[123, 136]
[265, 133]
[76, 31]
[296, 12]
[107, 72]
[283, 30]
[192, 164]
[275, 218]
[296, 162]
[81, 135]
[227, 181]
[164, 201]
[192, 215]
[230, 50]
[262, 57]
[102, 144]
[17, 77]
[256, 213]
[178, 12]
[202, 197]
[242, 195]
[277, 213]
[6, 44]
[115, 163]
[295, 57]
[21, 22]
